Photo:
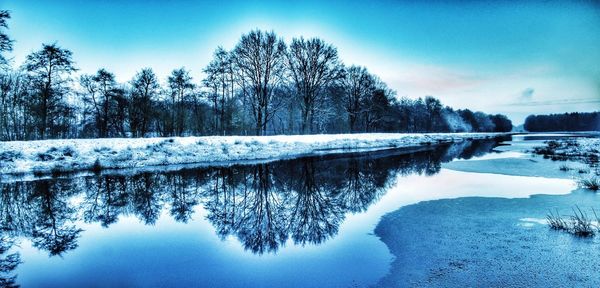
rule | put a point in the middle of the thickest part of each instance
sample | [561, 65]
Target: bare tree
[358, 85]
[260, 59]
[50, 69]
[145, 88]
[15, 117]
[377, 107]
[181, 86]
[5, 41]
[107, 103]
[219, 79]
[313, 65]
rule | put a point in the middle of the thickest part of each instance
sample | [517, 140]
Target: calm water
[306, 222]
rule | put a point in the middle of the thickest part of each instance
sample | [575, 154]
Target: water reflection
[8, 262]
[263, 206]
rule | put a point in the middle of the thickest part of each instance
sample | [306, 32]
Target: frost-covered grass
[579, 224]
[592, 183]
[580, 149]
[583, 150]
[56, 156]
[556, 222]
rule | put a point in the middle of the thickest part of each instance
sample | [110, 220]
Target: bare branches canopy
[261, 86]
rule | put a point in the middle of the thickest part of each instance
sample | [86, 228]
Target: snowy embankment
[53, 156]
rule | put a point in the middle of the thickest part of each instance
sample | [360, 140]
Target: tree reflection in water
[261, 205]
[8, 262]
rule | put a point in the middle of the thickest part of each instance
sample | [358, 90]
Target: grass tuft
[564, 167]
[583, 171]
[592, 183]
[581, 225]
[556, 222]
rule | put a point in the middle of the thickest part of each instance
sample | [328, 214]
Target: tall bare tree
[15, 117]
[260, 62]
[5, 41]
[181, 87]
[219, 79]
[107, 103]
[313, 66]
[358, 85]
[145, 89]
[50, 69]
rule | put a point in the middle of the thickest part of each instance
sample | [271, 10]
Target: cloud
[560, 102]
[527, 95]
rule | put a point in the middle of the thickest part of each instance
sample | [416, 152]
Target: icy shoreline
[59, 156]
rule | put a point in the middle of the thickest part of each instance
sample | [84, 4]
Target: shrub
[225, 149]
[10, 156]
[583, 171]
[38, 171]
[45, 156]
[97, 166]
[69, 151]
[58, 170]
[101, 149]
[553, 144]
[564, 167]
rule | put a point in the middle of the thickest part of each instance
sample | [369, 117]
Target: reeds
[579, 224]
[591, 183]
[556, 222]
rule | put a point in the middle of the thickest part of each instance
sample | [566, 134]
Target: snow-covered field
[50, 156]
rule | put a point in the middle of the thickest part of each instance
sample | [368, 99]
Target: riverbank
[500, 242]
[566, 158]
[489, 242]
[60, 156]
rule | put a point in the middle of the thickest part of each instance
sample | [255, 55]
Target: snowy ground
[488, 241]
[571, 159]
[52, 156]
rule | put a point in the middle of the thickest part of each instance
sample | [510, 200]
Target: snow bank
[582, 149]
[51, 156]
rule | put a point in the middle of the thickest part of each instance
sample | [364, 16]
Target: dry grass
[564, 167]
[579, 224]
[592, 183]
[556, 222]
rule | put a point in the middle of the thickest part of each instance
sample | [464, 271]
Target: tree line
[262, 86]
[563, 122]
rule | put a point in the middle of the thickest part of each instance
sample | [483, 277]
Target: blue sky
[503, 57]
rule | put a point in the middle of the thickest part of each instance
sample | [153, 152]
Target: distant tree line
[563, 122]
[262, 86]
